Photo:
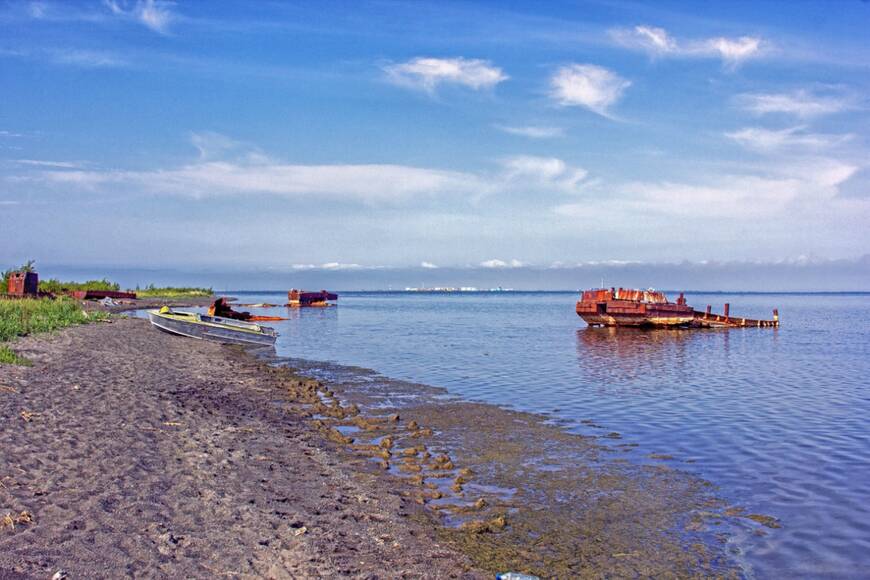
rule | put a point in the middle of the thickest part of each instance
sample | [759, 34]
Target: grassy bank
[30, 316]
[152, 291]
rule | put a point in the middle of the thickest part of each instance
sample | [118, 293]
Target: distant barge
[299, 299]
[649, 308]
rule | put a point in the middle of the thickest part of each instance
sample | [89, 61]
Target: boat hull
[633, 308]
[637, 320]
[213, 328]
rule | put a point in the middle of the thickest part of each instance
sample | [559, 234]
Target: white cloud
[533, 132]
[808, 183]
[496, 263]
[37, 10]
[428, 265]
[372, 183]
[800, 103]
[54, 164]
[767, 140]
[211, 144]
[657, 42]
[543, 172]
[5, 202]
[587, 85]
[732, 50]
[10, 134]
[647, 38]
[226, 167]
[303, 266]
[428, 73]
[155, 14]
[88, 58]
[339, 266]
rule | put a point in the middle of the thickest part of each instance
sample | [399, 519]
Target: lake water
[778, 419]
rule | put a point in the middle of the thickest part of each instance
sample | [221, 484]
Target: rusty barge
[652, 309]
[300, 299]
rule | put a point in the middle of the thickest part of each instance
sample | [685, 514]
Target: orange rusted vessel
[649, 308]
[299, 299]
[623, 307]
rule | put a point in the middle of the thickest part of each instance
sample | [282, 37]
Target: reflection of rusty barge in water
[625, 307]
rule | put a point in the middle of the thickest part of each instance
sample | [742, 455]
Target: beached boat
[212, 328]
[649, 308]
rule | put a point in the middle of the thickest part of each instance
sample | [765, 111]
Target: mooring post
[776, 316]
[727, 309]
[707, 312]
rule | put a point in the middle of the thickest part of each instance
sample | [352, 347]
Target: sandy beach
[128, 452]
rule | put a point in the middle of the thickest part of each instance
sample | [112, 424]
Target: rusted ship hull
[632, 314]
[651, 309]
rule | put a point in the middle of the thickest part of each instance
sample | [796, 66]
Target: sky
[511, 143]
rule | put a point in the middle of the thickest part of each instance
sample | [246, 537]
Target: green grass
[31, 316]
[8, 357]
[152, 291]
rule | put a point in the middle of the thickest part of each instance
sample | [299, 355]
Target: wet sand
[135, 453]
[138, 453]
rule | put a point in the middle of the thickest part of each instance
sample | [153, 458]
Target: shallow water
[778, 419]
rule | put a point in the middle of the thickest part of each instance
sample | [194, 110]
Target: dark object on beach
[220, 308]
[102, 294]
[648, 308]
[298, 299]
[23, 284]
[214, 328]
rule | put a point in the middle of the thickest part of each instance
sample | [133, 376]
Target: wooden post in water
[727, 310]
[707, 312]
[776, 317]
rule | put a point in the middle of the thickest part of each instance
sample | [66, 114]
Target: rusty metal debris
[649, 308]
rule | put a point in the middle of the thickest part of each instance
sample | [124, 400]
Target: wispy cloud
[659, 43]
[428, 265]
[588, 85]
[155, 14]
[340, 266]
[768, 140]
[70, 57]
[532, 131]
[88, 58]
[226, 167]
[800, 103]
[53, 164]
[543, 172]
[368, 183]
[812, 184]
[428, 73]
[496, 263]
[10, 134]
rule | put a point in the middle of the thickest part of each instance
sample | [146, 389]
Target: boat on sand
[214, 328]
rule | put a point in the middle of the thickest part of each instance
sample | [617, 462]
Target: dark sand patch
[144, 454]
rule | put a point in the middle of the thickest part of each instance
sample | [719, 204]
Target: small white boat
[215, 328]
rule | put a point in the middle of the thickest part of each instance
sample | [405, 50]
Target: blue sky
[330, 136]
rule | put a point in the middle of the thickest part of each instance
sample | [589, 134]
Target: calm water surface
[778, 419]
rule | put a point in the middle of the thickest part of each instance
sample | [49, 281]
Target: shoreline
[473, 497]
[134, 453]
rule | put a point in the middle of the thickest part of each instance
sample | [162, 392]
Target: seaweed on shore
[513, 492]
